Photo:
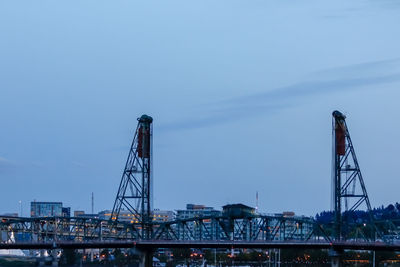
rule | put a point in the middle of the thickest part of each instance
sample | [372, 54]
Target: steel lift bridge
[227, 230]
[135, 197]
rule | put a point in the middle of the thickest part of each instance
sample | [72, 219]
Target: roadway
[154, 244]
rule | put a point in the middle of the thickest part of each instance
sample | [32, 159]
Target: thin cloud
[318, 87]
[222, 116]
[6, 165]
[78, 164]
[4, 161]
[378, 67]
[275, 100]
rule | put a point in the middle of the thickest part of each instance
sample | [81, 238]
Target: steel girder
[212, 228]
[64, 228]
[257, 227]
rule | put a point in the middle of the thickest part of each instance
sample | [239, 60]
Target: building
[46, 209]
[127, 216]
[88, 216]
[124, 216]
[105, 215]
[66, 212]
[163, 215]
[196, 211]
[193, 211]
[288, 214]
[237, 211]
[78, 213]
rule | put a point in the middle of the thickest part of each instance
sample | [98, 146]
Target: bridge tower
[135, 189]
[348, 184]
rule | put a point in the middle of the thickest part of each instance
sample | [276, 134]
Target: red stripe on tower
[340, 135]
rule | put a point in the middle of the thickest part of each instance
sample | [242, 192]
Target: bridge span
[156, 244]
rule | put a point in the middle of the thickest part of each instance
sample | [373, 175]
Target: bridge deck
[150, 244]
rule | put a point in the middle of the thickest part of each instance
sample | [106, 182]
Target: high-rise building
[46, 209]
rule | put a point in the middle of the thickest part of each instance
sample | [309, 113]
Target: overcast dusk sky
[241, 93]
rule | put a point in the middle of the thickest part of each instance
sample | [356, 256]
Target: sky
[241, 93]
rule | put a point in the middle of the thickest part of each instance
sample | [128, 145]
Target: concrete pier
[146, 258]
[335, 256]
[54, 259]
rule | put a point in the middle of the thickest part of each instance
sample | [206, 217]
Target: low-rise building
[46, 209]
[237, 210]
[127, 216]
[198, 211]
[163, 215]
[193, 211]
[78, 213]
[66, 212]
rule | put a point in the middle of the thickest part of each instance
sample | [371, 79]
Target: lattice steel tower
[135, 190]
[348, 184]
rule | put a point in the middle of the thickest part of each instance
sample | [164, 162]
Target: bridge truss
[213, 228]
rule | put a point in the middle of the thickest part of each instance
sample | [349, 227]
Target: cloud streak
[378, 67]
[284, 97]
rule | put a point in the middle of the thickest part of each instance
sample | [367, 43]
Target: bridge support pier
[335, 257]
[54, 259]
[146, 258]
[41, 258]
